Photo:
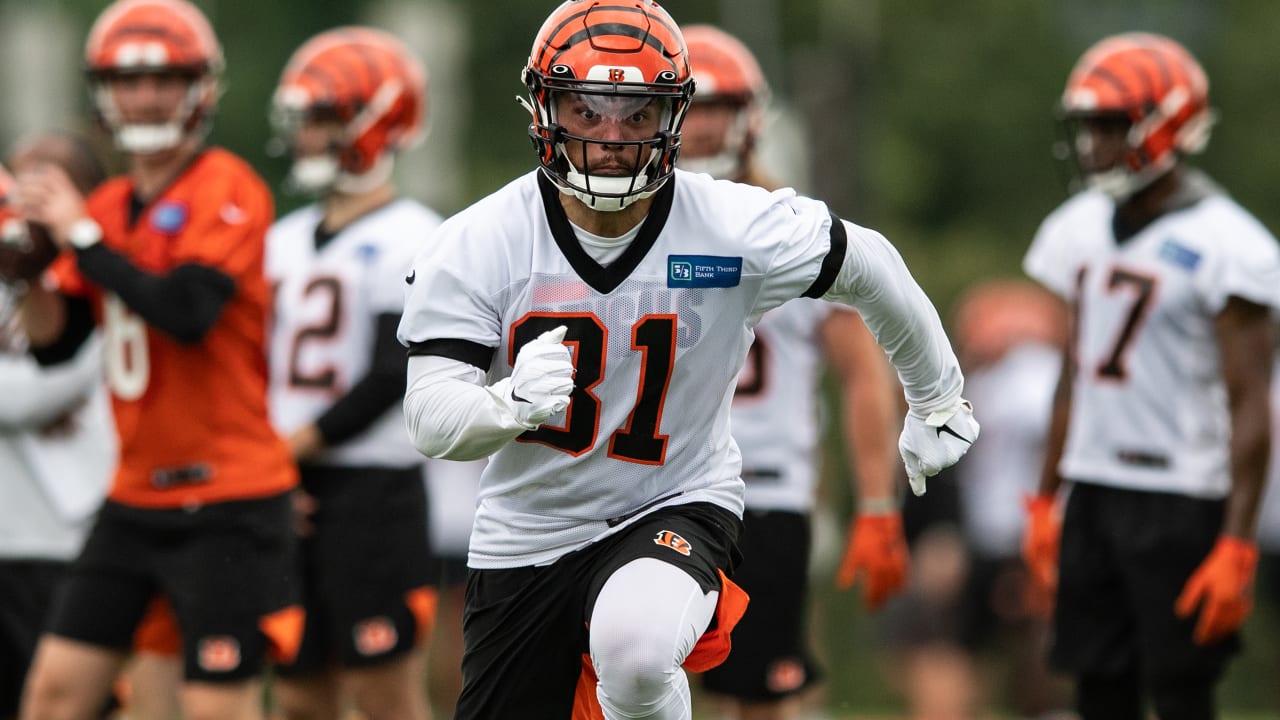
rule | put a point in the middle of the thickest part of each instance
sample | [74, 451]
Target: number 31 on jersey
[654, 336]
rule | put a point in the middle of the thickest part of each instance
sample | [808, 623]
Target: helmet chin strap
[1120, 183]
[320, 174]
[356, 184]
[147, 139]
[723, 165]
[313, 175]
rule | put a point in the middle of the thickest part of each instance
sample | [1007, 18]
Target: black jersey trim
[832, 262]
[605, 280]
[471, 353]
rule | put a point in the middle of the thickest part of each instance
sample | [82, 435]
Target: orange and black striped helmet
[154, 36]
[726, 73]
[1158, 85]
[608, 47]
[151, 35]
[723, 68]
[367, 80]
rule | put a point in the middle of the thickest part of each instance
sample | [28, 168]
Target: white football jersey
[452, 488]
[52, 481]
[658, 337]
[775, 415]
[326, 305]
[1016, 397]
[1149, 408]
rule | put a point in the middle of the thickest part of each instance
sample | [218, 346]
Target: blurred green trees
[933, 120]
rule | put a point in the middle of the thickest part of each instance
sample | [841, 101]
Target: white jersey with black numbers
[775, 417]
[1149, 408]
[327, 301]
[658, 337]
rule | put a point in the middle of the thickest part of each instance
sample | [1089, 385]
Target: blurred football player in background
[584, 327]
[1161, 421]
[775, 422]
[1009, 336]
[57, 447]
[169, 259]
[348, 100]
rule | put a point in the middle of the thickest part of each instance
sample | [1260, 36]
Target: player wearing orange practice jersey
[168, 259]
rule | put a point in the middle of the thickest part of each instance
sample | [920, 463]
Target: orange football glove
[1222, 587]
[876, 550]
[1040, 543]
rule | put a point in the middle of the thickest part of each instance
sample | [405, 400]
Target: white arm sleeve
[35, 396]
[450, 414]
[874, 280]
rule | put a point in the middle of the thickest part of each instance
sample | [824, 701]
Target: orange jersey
[192, 418]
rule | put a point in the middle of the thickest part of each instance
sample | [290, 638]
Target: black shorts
[992, 607]
[1125, 558]
[525, 629]
[771, 657]
[27, 588]
[452, 569]
[223, 566]
[366, 568]
[1268, 588]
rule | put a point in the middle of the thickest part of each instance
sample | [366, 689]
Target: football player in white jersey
[585, 325]
[1160, 422]
[56, 441]
[775, 421]
[348, 100]
[1009, 334]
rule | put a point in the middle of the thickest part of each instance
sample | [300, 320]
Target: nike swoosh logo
[408, 279]
[232, 215]
[953, 433]
[517, 398]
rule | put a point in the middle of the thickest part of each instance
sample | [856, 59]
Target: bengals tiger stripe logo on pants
[673, 541]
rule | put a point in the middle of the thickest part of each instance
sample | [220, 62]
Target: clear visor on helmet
[632, 118]
[617, 108]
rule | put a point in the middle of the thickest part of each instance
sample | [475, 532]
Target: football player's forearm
[1245, 340]
[1250, 448]
[871, 432]
[36, 396]
[1056, 440]
[871, 426]
[869, 405]
[184, 304]
[450, 415]
[57, 325]
[875, 281]
[1246, 495]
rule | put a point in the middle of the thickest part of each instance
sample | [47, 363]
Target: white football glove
[930, 444]
[541, 381]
